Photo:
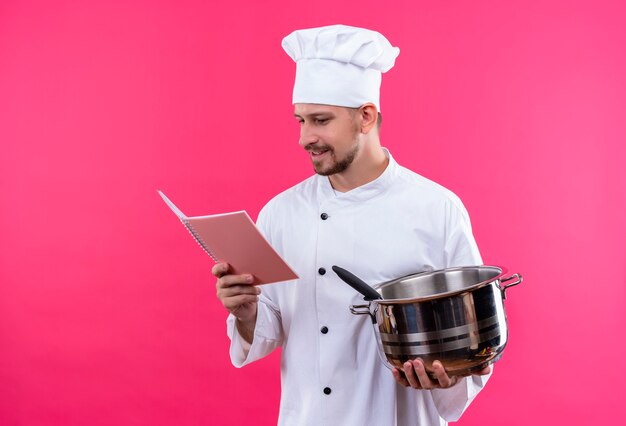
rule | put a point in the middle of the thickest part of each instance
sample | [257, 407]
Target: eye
[321, 121]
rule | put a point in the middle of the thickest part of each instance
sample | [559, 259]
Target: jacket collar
[363, 192]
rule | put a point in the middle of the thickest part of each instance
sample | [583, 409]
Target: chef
[363, 211]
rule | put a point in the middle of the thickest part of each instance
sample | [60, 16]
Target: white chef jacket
[399, 224]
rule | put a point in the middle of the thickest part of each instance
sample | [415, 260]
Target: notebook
[235, 239]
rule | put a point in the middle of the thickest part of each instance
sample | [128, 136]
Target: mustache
[314, 147]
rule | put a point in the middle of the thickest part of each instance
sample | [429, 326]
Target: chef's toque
[339, 65]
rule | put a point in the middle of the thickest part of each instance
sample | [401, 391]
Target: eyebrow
[324, 114]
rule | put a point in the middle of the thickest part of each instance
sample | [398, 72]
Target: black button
[324, 216]
[324, 330]
[321, 271]
[327, 391]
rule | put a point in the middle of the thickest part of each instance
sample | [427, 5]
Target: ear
[369, 116]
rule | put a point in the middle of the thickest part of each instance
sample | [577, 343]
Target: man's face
[330, 134]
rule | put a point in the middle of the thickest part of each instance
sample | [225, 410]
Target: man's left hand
[414, 375]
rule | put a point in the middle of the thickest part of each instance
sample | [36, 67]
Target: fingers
[233, 301]
[399, 377]
[236, 292]
[444, 380]
[416, 376]
[220, 269]
[235, 280]
[413, 374]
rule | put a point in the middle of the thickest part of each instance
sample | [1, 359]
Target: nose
[307, 135]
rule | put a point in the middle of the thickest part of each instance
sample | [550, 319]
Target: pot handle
[503, 280]
[362, 310]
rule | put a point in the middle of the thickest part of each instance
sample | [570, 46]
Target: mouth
[318, 153]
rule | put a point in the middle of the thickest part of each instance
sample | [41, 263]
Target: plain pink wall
[107, 307]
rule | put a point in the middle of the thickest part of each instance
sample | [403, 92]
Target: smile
[317, 153]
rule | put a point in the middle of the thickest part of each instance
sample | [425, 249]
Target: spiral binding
[199, 241]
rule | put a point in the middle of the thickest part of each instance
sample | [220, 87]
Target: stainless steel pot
[453, 315]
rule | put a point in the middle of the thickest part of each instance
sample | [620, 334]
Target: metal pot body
[455, 316]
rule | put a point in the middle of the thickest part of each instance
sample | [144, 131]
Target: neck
[369, 164]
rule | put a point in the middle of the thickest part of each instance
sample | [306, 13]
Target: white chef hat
[339, 65]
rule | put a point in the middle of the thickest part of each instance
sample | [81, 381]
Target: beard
[337, 166]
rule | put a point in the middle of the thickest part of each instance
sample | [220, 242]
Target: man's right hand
[239, 297]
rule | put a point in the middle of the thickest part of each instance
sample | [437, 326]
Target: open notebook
[234, 238]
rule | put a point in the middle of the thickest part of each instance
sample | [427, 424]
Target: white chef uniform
[398, 224]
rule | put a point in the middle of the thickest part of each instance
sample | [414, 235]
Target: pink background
[108, 313]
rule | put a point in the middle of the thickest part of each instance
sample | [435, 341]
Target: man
[361, 211]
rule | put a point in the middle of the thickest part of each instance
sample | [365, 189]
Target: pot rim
[378, 287]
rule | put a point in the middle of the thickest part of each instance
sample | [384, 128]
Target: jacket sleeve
[460, 247]
[460, 250]
[453, 401]
[268, 335]
[268, 332]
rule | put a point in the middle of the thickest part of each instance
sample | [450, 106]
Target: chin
[322, 172]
